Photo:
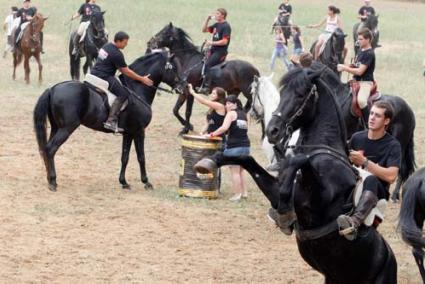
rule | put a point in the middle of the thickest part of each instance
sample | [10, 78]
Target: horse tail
[41, 111]
[410, 232]
[409, 163]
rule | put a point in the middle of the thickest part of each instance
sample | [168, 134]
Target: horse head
[371, 22]
[298, 97]
[257, 108]
[37, 24]
[172, 37]
[97, 24]
[338, 42]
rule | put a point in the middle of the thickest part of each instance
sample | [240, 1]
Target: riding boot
[348, 225]
[365, 114]
[76, 43]
[204, 88]
[112, 122]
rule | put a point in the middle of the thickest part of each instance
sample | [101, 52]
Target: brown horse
[30, 45]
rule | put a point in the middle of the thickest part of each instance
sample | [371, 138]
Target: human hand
[190, 88]
[145, 80]
[357, 157]
[340, 67]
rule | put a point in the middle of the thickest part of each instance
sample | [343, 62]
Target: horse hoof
[126, 186]
[148, 186]
[53, 187]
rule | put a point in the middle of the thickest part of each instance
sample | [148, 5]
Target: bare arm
[221, 42]
[218, 107]
[130, 73]
[230, 116]
[386, 174]
[76, 15]
[358, 71]
[318, 25]
[205, 26]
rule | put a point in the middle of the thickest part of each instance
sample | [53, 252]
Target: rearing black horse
[69, 104]
[94, 39]
[333, 51]
[323, 187]
[235, 76]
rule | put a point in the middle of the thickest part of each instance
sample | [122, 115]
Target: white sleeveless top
[331, 26]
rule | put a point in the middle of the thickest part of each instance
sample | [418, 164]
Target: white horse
[265, 99]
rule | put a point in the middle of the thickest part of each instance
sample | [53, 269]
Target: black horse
[333, 52]
[69, 104]
[323, 187]
[371, 23]
[95, 38]
[412, 216]
[283, 23]
[234, 76]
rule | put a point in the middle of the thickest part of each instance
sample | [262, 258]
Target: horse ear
[314, 74]
[270, 76]
[103, 13]
[345, 35]
[45, 18]
[171, 25]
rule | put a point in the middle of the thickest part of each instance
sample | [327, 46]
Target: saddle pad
[378, 210]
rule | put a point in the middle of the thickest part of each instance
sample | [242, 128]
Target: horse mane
[294, 80]
[148, 59]
[186, 40]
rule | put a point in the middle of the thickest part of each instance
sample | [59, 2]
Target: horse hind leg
[418, 254]
[126, 146]
[140, 150]
[52, 146]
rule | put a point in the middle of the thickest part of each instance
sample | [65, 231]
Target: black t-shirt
[366, 10]
[385, 152]
[23, 13]
[86, 10]
[285, 8]
[109, 60]
[220, 31]
[237, 135]
[214, 120]
[366, 57]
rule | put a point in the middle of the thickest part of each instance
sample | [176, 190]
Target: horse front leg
[180, 101]
[126, 146]
[40, 68]
[139, 142]
[15, 64]
[189, 106]
[418, 254]
[27, 68]
[87, 64]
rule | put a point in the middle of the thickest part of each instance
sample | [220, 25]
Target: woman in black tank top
[236, 125]
[216, 112]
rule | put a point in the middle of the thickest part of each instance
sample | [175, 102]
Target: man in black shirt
[365, 11]
[363, 69]
[109, 60]
[380, 154]
[221, 31]
[85, 12]
[285, 9]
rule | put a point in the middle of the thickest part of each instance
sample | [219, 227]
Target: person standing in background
[8, 28]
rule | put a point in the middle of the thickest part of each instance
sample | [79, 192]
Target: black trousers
[117, 88]
[215, 58]
[373, 184]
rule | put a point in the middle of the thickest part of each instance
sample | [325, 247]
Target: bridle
[288, 126]
[255, 97]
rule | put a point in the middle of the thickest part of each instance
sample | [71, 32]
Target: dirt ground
[93, 231]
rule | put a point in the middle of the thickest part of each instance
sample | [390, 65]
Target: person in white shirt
[8, 28]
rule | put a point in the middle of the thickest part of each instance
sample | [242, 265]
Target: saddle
[354, 89]
[376, 216]
[21, 32]
[101, 86]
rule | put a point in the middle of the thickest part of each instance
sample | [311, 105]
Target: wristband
[365, 163]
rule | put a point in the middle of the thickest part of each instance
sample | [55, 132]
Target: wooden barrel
[191, 183]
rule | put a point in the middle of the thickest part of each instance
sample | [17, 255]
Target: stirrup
[113, 127]
[346, 228]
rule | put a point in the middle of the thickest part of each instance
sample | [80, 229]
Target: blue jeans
[283, 53]
[236, 152]
[297, 51]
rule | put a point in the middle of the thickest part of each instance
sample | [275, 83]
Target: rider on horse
[221, 31]
[25, 14]
[110, 60]
[365, 11]
[379, 153]
[85, 11]
[363, 69]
